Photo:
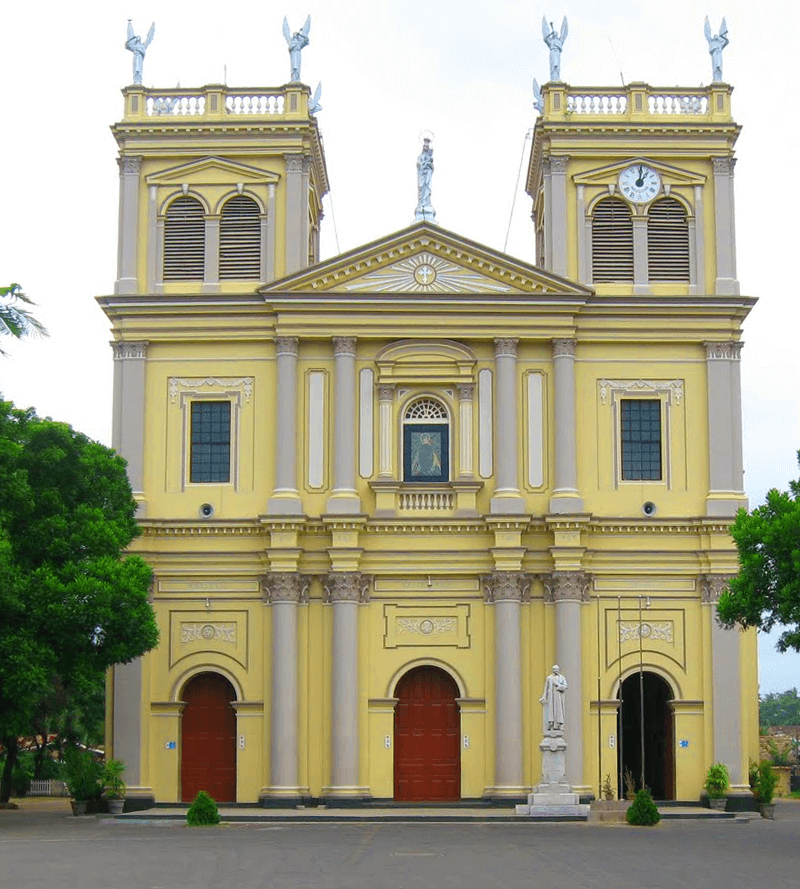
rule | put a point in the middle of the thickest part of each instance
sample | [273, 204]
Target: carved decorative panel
[211, 633]
[424, 626]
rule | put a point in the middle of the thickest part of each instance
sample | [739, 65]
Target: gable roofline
[413, 239]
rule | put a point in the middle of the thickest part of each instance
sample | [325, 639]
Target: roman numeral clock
[639, 183]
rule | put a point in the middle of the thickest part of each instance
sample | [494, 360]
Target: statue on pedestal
[555, 43]
[716, 43]
[425, 211]
[138, 47]
[297, 42]
[553, 697]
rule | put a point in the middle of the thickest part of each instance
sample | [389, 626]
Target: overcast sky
[389, 70]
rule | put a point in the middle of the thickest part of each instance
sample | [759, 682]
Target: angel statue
[297, 43]
[555, 42]
[313, 104]
[538, 98]
[716, 43]
[138, 47]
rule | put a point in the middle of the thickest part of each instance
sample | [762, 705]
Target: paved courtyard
[41, 844]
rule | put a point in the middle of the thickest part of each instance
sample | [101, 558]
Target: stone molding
[466, 391]
[505, 347]
[507, 586]
[130, 350]
[285, 586]
[558, 163]
[287, 345]
[566, 586]
[673, 387]
[344, 345]
[243, 384]
[724, 351]
[563, 348]
[712, 586]
[129, 165]
[346, 586]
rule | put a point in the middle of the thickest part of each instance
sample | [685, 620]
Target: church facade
[383, 493]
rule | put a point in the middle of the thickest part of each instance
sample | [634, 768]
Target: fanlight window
[240, 239]
[668, 241]
[426, 442]
[184, 240]
[612, 242]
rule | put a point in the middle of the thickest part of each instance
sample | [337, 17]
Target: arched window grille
[426, 442]
[612, 242]
[240, 239]
[668, 241]
[184, 240]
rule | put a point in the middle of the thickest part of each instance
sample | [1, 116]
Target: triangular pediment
[211, 171]
[425, 259]
[673, 176]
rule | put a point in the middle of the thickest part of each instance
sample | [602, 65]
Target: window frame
[215, 447]
[412, 426]
[623, 440]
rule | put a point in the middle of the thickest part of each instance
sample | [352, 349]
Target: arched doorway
[427, 730]
[656, 718]
[208, 739]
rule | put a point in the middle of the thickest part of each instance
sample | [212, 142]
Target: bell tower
[632, 188]
[221, 188]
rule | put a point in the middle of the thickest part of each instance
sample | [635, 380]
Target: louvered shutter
[184, 241]
[240, 239]
[612, 242]
[667, 241]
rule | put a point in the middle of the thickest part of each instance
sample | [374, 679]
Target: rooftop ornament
[296, 42]
[138, 47]
[425, 211]
[555, 43]
[716, 43]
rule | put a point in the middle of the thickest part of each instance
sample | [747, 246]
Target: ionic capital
[507, 586]
[563, 347]
[712, 586]
[566, 586]
[284, 586]
[346, 586]
[130, 350]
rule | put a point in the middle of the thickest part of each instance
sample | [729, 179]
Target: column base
[725, 507]
[285, 505]
[344, 797]
[566, 503]
[726, 287]
[284, 798]
[343, 504]
[510, 505]
[507, 794]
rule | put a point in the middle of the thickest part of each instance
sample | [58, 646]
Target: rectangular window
[426, 452]
[641, 439]
[211, 442]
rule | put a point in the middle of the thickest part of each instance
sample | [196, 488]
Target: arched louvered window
[184, 240]
[668, 241]
[240, 239]
[426, 442]
[612, 241]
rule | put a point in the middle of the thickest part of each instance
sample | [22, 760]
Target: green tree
[780, 708]
[15, 319]
[766, 592]
[72, 605]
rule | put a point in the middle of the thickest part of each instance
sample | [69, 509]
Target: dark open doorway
[657, 721]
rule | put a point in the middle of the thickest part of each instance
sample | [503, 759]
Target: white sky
[389, 70]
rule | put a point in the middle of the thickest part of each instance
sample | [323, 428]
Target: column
[558, 215]
[566, 497]
[726, 703]
[567, 590]
[724, 222]
[345, 590]
[283, 591]
[285, 499]
[725, 461]
[296, 210]
[506, 590]
[129, 170]
[507, 497]
[344, 498]
[466, 467]
[127, 434]
[385, 449]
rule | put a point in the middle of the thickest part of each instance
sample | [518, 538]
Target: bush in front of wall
[642, 810]
[203, 811]
[717, 780]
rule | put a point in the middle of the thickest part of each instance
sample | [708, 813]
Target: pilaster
[127, 259]
[285, 499]
[127, 435]
[724, 222]
[725, 460]
[558, 213]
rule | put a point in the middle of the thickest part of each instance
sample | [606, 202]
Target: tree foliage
[15, 319]
[766, 592]
[780, 708]
[71, 604]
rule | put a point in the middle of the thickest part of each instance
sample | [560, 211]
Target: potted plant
[717, 782]
[83, 779]
[115, 786]
[764, 789]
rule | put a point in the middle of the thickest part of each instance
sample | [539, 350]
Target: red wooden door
[427, 729]
[208, 739]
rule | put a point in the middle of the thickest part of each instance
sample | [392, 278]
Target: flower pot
[768, 811]
[79, 806]
[115, 806]
[718, 803]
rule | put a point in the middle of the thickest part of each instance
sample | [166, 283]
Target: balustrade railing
[636, 100]
[215, 102]
[421, 500]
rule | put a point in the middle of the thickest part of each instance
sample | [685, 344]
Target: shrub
[112, 778]
[717, 780]
[766, 782]
[203, 811]
[83, 775]
[642, 810]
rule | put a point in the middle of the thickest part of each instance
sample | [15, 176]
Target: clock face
[639, 183]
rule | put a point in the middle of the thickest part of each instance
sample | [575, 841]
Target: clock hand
[640, 180]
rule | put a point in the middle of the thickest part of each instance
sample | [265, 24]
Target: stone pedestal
[553, 797]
